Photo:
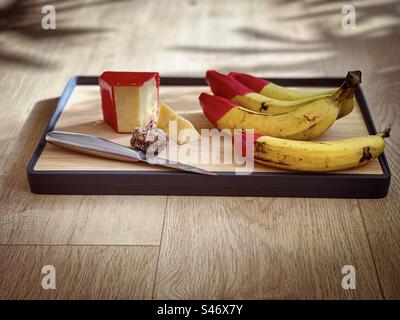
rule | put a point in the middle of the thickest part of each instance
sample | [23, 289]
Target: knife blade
[100, 147]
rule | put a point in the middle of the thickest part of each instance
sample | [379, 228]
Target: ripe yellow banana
[272, 90]
[257, 102]
[231, 89]
[318, 156]
[322, 126]
[343, 97]
[224, 114]
[347, 105]
[306, 121]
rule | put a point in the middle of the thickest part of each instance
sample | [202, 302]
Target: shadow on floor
[14, 176]
[377, 25]
[21, 21]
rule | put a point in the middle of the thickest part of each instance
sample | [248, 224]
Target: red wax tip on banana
[225, 86]
[254, 83]
[247, 151]
[214, 108]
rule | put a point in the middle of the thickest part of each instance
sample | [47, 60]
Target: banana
[318, 156]
[272, 90]
[341, 96]
[233, 90]
[347, 105]
[320, 128]
[224, 114]
[292, 124]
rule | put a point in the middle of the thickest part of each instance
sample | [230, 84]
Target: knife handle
[92, 145]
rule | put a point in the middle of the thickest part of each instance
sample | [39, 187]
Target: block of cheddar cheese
[129, 99]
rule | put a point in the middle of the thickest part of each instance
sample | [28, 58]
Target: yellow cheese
[178, 128]
[135, 106]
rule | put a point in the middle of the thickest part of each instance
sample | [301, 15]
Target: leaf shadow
[20, 24]
[279, 49]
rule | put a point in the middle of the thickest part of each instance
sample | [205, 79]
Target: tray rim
[32, 174]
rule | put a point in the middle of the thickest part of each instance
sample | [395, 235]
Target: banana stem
[385, 133]
[349, 86]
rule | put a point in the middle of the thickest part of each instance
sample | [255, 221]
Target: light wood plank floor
[193, 247]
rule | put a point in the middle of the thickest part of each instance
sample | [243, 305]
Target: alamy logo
[49, 20]
[49, 280]
[349, 20]
[218, 147]
[349, 280]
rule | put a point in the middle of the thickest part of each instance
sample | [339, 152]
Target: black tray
[277, 184]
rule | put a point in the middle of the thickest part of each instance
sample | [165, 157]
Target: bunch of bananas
[285, 120]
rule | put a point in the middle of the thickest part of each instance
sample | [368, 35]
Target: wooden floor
[146, 247]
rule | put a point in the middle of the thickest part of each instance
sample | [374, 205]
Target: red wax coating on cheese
[214, 107]
[110, 79]
[135, 79]
[225, 86]
[107, 103]
[254, 83]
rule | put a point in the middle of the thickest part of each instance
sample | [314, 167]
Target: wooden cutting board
[79, 110]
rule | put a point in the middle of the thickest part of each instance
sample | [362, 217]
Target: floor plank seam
[76, 216]
[370, 249]
[159, 248]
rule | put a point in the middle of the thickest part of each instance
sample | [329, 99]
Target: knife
[95, 146]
